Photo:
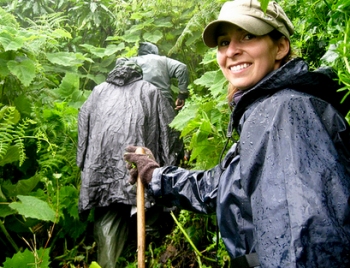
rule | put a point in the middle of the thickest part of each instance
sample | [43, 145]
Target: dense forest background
[52, 54]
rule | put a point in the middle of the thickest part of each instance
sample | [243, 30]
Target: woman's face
[245, 58]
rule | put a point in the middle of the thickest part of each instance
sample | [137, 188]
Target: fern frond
[7, 122]
[12, 133]
[18, 135]
[41, 136]
[51, 162]
[21, 150]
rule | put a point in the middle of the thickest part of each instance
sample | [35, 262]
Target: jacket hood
[124, 72]
[146, 48]
[295, 75]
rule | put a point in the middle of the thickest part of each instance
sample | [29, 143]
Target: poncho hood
[124, 73]
[146, 48]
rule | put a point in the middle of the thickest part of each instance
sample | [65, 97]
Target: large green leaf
[185, 115]
[113, 49]
[12, 155]
[69, 84]
[32, 207]
[102, 52]
[153, 37]
[5, 210]
[24, 105]
[23, 69]
[216, 81]
[66, 58]
[132, 37]
[59, 33]
[27, 259]
[22, 187]
[2, 196]
[97, 51]
[4, 71]
[219, 86]
[11, 42]
[206, 79]
[98, 79]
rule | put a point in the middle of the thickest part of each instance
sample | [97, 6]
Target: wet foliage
[53, 53]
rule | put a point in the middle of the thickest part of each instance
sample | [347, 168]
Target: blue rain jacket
[283, 190]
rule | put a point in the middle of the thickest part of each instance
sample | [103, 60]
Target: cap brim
[250, 24]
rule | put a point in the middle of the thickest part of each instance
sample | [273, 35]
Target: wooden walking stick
[141, 229]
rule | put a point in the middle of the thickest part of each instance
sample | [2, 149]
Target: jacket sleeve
[190, 190]
[83, 130]
[179, 71]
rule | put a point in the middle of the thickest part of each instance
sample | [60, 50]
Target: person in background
[125, 109]
[159, 70]
[282, 192]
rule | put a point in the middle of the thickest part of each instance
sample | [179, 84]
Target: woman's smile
[239, 67]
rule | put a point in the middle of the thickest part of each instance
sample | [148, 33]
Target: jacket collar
[295, 75]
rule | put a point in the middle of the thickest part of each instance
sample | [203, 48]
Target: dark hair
[275, 36]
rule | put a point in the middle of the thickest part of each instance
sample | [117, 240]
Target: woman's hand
[143, 164]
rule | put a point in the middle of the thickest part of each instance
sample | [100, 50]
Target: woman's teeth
[239, 67]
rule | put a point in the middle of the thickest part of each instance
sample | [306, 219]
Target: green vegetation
[52, 53]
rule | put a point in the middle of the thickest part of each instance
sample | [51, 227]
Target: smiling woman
[245, 58]
[281, 193]
[247, 38]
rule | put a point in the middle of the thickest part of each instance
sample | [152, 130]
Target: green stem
[9, 238]
[345, 44]
[189, 240]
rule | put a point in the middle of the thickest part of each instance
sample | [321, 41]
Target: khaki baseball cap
[248, 15]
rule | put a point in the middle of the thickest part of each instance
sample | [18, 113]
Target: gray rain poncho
[124, 110]
[159, 70]
[283, 190]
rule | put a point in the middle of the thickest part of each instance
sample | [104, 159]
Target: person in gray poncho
[159, 70]
[282, 192]
[123, 110]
